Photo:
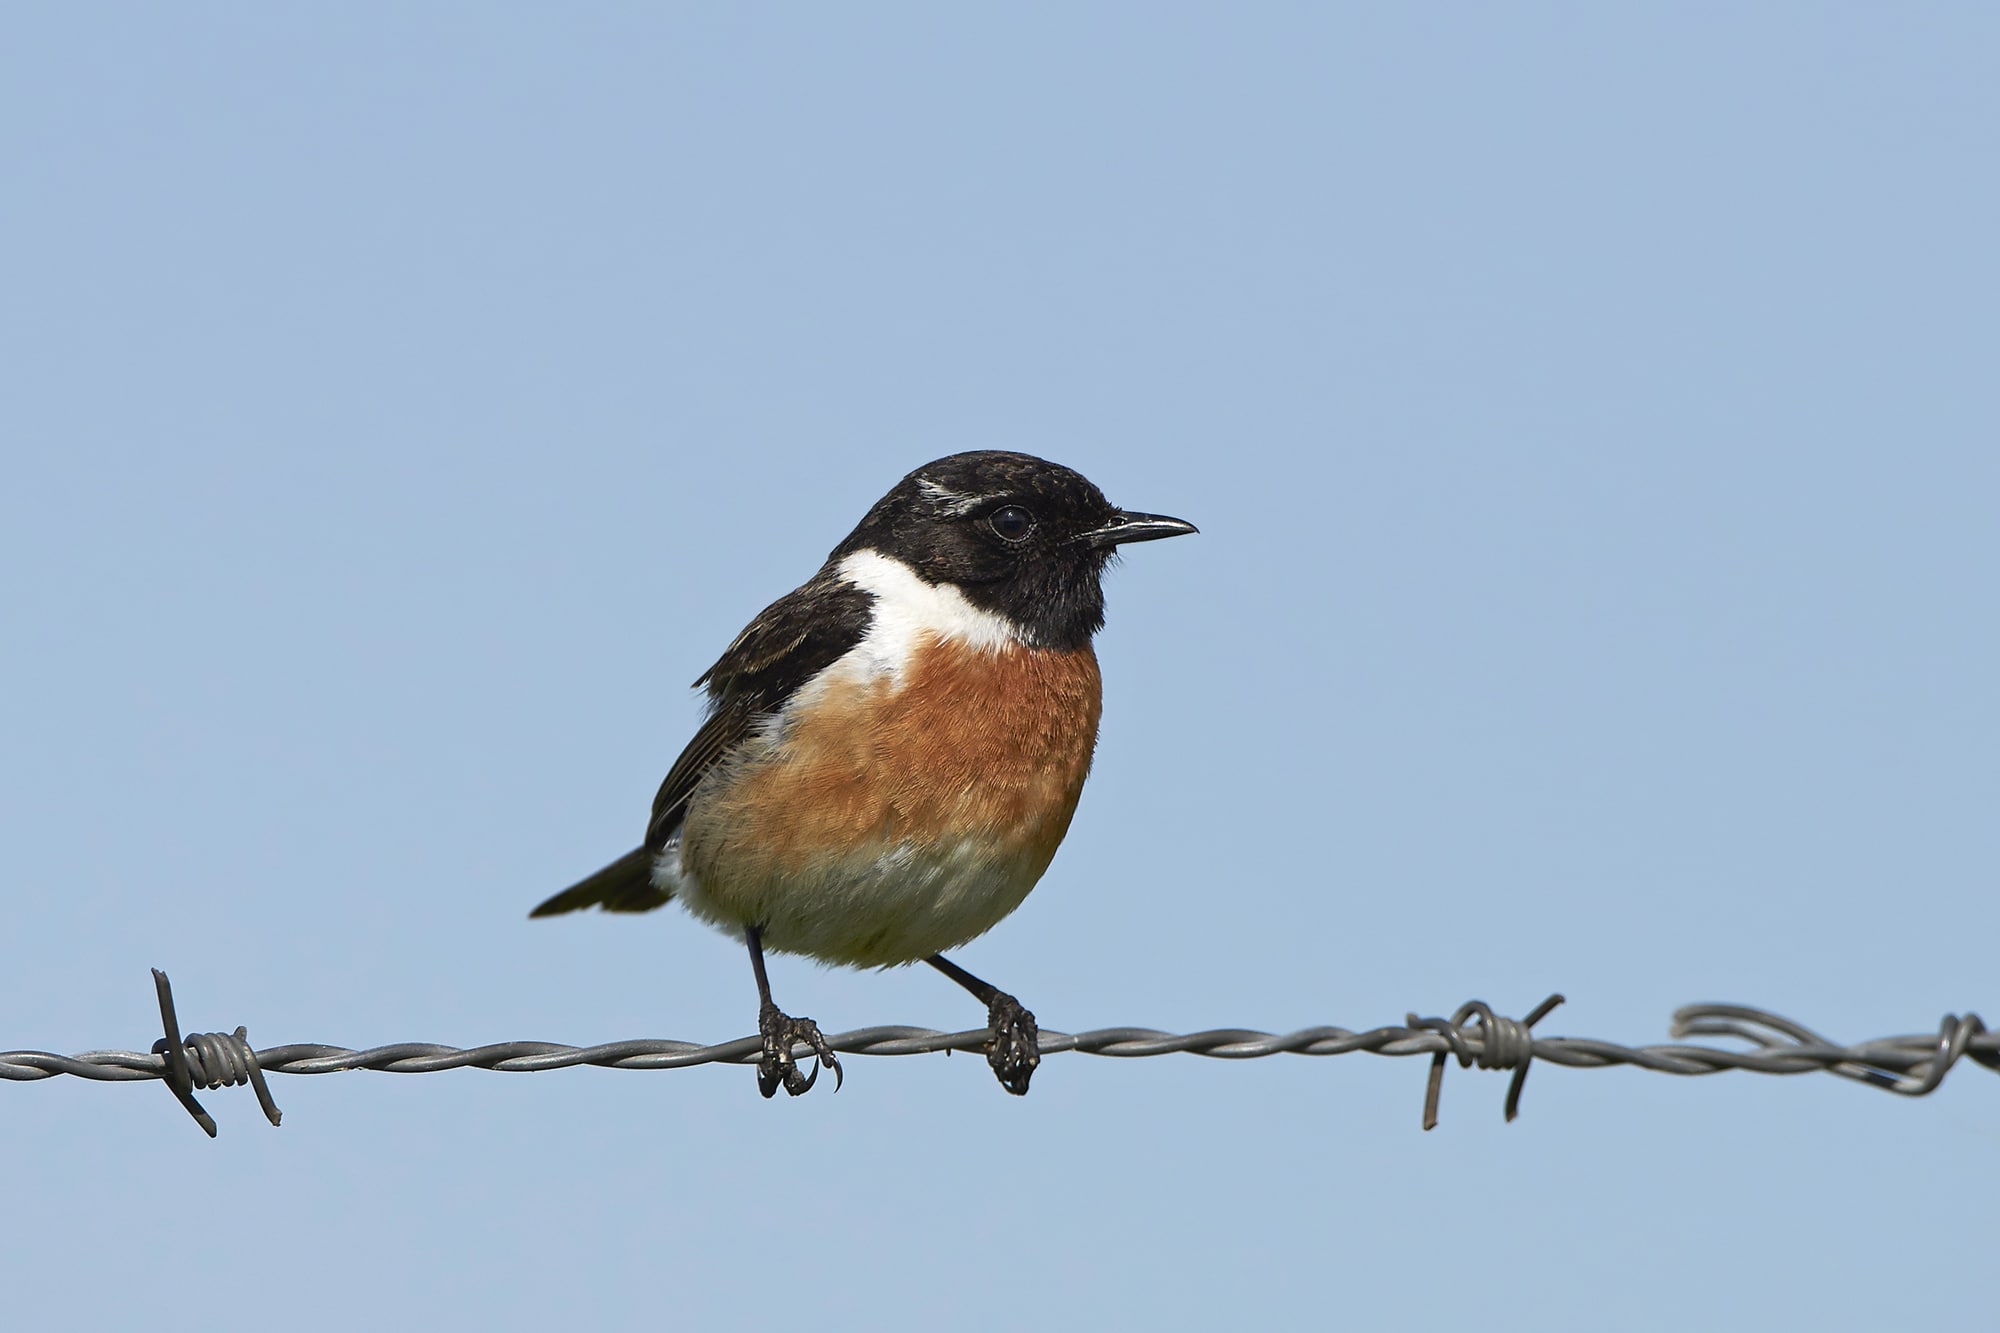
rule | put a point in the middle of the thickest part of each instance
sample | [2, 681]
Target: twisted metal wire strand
[1911, 1065]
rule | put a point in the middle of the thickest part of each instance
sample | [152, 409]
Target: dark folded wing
[724, 728]
[791, 641]
[794, 639]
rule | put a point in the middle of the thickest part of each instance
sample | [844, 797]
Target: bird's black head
[1017, 535]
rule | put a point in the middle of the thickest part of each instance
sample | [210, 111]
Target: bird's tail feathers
[626, 885]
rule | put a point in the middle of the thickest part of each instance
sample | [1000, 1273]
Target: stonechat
[893, 751]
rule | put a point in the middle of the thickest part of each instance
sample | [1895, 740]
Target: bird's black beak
[1127, 527]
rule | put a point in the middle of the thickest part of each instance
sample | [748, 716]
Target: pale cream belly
[899, 905]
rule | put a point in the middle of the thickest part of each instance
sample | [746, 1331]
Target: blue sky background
[1591, 417]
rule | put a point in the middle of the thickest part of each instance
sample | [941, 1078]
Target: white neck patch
[909, 610]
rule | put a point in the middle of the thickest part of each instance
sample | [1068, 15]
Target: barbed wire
[1912, 1065]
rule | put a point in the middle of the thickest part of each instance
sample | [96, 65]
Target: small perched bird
[893, 750]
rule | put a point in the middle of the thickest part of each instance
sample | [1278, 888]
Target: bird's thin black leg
[781, 1032]
[1014, 1046]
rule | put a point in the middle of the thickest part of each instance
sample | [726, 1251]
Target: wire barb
[1491, 1042]
[1910, 1066]
[206, 1060]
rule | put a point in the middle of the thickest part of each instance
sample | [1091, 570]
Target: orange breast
[982, 747]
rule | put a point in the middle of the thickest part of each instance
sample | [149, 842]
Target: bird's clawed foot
[781, 1032]
[1014, 1047]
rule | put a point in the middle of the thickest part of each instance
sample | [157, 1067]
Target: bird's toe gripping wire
[1014, 1048]
[779, 1067]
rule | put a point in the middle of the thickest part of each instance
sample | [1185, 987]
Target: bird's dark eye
[1012, 523]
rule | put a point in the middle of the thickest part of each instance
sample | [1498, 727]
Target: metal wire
[1912, 1065]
